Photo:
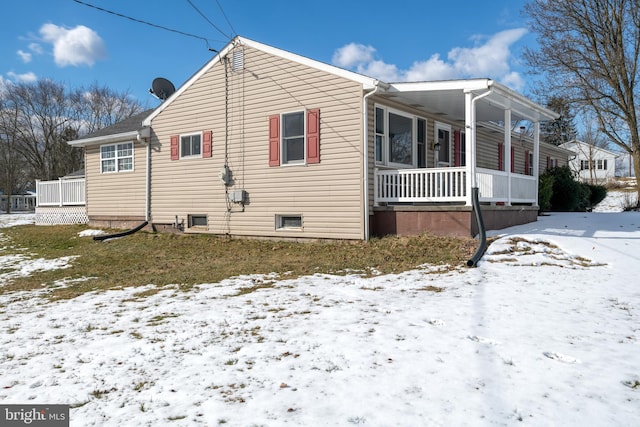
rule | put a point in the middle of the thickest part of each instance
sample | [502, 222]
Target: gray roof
[129, 124]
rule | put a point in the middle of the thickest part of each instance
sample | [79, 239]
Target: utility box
[238, 196]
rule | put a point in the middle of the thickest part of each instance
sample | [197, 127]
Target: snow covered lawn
[546, 331]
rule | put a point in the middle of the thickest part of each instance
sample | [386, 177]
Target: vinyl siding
[119, 194]
[327, 194]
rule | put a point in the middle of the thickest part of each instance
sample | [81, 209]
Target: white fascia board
[367, 82]
[441, 85]
[134, 135]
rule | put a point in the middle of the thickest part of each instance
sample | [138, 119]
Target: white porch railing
[450, 185]
[493, 186]
[420, 185]
[63, 192]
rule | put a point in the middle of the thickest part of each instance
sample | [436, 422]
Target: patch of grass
[186, 260]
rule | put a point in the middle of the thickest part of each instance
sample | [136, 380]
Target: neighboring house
[266, 143]
[17, 202]
[591, 164]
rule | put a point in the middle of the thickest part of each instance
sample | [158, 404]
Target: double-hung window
[116, 157]
[293, 138]
[191, 145]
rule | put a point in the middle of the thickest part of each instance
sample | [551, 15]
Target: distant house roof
[571, 145]
[125, 130]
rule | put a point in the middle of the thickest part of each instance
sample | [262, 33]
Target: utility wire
[145, 22]
[226, 19]
[207, 19]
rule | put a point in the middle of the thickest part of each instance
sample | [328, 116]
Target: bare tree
[45, 115]
[11, 163]
[589, 50]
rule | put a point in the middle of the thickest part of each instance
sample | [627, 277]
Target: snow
[545, 331]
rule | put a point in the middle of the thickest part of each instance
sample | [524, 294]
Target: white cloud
[24, 78]
[76, 46]
[490, 57]
[35, 48]
[353, 54]
[25, 56]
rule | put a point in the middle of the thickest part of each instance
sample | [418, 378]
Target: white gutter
[365, 162]
[137, 135]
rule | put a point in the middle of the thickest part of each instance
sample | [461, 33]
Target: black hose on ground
[473, 261]
[121, 234]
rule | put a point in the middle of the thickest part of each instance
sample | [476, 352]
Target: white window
[116, 157]
[288, 222]
[191, 145]
[197, 220]
[293, 138]
[399, 138]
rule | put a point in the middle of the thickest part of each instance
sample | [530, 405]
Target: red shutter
[313, 136]
[456, 149]
[206, 143]
[513, 159]
[500, 156]
[526, 162]
[175, 147]
[274, 140]
[548, 162]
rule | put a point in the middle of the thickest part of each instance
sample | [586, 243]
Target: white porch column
[536, 158]
[470, 140]
[507, 152]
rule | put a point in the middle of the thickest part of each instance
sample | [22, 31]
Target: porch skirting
[60, 215]
[446, 220]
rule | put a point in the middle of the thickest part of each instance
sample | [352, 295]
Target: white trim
[302, 162]
[190, 156]
[444, 126]
[132, 136]
[116, 158]
[366, 82]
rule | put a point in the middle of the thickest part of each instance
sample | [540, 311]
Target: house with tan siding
[261, 142]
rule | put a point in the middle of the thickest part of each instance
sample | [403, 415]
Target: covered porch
[437, 197]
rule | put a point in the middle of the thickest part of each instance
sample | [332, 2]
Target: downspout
[147, 189]
[482, 246]
[365, 150]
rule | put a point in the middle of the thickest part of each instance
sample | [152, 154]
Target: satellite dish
[162, 88]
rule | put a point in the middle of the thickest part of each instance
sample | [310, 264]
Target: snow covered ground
[546, 331]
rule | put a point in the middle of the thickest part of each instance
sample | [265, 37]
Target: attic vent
[238, 60]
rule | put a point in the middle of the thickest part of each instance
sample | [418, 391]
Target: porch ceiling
[447, 98]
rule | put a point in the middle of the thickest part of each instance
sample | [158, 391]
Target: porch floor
[446, 220]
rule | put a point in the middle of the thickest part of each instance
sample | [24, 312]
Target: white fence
[63, 192]
[450, 185]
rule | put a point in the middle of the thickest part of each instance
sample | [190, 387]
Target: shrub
[597, 194]
[568, 194]
[545, 191]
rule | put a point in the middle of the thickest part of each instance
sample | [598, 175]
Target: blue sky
[401, 40]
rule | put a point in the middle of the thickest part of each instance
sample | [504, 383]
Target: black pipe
[121, 234]
[473, 261]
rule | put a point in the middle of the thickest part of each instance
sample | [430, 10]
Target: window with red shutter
[313, 136]
[207, 137]
[175, 147]
[274, 140]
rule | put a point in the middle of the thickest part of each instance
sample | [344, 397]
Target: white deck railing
[420, 185]
[450, 185]
[63, 192]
